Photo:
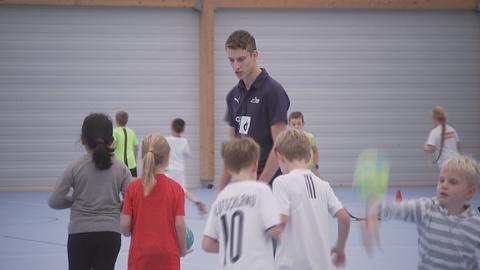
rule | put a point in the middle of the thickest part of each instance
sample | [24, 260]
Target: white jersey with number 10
[238, 220]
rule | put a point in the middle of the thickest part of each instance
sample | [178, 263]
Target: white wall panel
[58, 64]
[365, 79]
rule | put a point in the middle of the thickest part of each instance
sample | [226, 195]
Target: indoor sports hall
[365, 74]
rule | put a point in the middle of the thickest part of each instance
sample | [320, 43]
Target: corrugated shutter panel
[365, 79]
[58, 64]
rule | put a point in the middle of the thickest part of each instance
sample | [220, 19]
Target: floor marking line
[35, 241]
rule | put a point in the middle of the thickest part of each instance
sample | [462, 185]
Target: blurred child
[153, 212]
[305, 203]
[448, 228]
[244, 217]
[180, 150]
[443, 140]
[97, 180]
[126, 143]
[296, 120]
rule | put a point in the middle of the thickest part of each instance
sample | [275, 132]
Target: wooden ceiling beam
[349, 4]
[119, 3]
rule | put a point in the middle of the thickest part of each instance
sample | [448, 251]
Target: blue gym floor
[33, 236]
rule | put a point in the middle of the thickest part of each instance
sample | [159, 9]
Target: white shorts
[178, 176]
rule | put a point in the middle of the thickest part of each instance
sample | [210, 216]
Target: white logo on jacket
[255, 100]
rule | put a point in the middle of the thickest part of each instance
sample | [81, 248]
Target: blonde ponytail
[155, 153]
[439, 113]
[148, 172]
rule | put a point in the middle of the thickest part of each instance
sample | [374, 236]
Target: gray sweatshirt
[95, 202]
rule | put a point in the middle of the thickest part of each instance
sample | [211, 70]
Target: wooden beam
[124, 3]
[206, 68]
[264, 4]
[351, 4]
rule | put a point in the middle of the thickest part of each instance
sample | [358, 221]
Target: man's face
[243, 62]
[296, 123]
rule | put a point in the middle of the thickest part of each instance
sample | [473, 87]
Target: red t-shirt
[154, 243]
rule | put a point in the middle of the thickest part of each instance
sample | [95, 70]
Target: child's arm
[187, 152]
[410, 211]
[59, 198]
[181, 234]
[274, 231]
[315, 154]
[135, 151]
[127, 209]
[211, 233]
[126, 224]
[343, 220]
[428, 148]
[210, 245]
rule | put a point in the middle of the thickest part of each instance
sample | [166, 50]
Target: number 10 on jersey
[232, 234]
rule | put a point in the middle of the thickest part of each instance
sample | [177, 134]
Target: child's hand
[338, 257]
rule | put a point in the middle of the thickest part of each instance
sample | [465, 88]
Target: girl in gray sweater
[97, 180]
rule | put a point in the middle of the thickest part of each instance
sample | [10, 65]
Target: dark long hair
[97, 134]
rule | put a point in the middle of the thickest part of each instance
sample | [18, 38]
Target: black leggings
[93, 250]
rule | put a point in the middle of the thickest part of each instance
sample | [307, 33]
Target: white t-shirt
[450, 149]
[238, 220]
[309, 202]
[179, 151]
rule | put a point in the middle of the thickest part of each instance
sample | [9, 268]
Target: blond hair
[465, 165]
[293, 144]
[439, 113]
[155, 152]
[240, 153]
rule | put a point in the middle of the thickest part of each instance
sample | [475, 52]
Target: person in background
[244, 218]
[448, 227]
[306, 203]
[256, 107]
[443, 141]
[180, 151]
[96, 182]
[296, 120]
[126, 143]
[154, 212]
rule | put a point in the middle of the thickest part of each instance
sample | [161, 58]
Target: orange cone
[398, 196]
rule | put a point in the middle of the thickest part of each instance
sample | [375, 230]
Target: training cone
[398, 196]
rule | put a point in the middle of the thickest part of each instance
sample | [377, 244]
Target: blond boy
[448, 228]
[305, 202]
[244, 217]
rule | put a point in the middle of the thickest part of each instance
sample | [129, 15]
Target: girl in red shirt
[153, 212]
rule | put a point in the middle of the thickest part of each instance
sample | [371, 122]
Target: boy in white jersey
[180, 150]
[305, 202]
[448, 228]
[244, 217]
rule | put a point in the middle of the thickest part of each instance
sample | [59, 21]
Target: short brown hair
[240, 153]
[241, 39]
[296, 115]
[293, 144]
[122, 118]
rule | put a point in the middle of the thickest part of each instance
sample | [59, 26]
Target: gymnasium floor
[33, 236]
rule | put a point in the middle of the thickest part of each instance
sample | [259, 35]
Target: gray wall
[58, 64]
[365, 79]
